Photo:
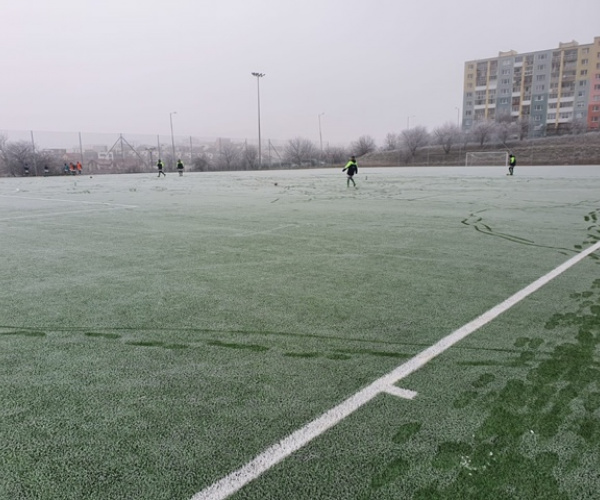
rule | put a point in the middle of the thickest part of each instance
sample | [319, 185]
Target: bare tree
[505, 127]
[335, 154]
[414, 139]
[522, 128]
[201, 163]
[391, 142]
[3, 166]
[363, 145]
[447, 135]
[298, 151]
[578, 126]
[483, 131]
[229, 157]
[250, 157]
[16, 156]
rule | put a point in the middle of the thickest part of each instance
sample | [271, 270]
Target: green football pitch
[277, 335]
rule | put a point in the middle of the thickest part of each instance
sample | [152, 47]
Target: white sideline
[276, 453]
[120, 205]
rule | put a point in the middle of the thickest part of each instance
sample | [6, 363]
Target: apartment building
[548, 92]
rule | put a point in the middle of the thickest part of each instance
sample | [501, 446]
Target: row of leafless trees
[297, 152]
[16, 156]
[450, 136]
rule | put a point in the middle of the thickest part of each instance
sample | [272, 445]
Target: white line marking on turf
[70, 201]
[401, 393]
[276, 453]
[265, 231]
[54, 214]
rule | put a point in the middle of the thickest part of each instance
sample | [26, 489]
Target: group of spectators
[72, 168]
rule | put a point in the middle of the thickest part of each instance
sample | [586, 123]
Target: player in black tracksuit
[351, 168]
[160, 166]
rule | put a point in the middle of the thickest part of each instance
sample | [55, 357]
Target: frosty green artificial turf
[157, 334]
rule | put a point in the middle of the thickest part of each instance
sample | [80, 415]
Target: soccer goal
[486, 159]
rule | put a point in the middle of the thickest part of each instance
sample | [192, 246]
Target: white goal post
[486, 159]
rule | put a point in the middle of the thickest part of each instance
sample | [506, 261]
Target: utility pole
[320, 133]
[258, 77]
[172, 136]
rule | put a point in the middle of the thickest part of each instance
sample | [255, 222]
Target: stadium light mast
[258, 77]
[408, 121]
[320, 133]
[172, 136]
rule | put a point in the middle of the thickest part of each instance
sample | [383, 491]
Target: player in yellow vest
[351, 168]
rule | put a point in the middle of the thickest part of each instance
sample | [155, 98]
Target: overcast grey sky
[124, 65]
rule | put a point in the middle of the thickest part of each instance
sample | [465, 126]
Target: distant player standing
[160, 166]
[351, 168]
[180, 167]
[512, 163]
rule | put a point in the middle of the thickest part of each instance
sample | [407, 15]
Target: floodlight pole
[258, 77]
[408, 121]
[172, 136]
[320, 133]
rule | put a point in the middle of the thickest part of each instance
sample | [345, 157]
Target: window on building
[541, 67]
[538, 107]
[469, 94]
[540, 88]
[470, 76]
[581, 104]
[596, 98]
[584, 62]
[597, 76]
[537, 118]
[539, 97]
[505, 91]
[597, 87]
[551, 116]
[585, 50]
[541, 56]
[504, 100]
[583, 72]
[595, 119]
[540, 78]
[505, 81]
[580, 94]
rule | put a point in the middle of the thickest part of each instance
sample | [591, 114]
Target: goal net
[486, 159]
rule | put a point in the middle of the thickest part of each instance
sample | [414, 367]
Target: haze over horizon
[367, 67]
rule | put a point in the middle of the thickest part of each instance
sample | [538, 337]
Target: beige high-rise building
[547, 92]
